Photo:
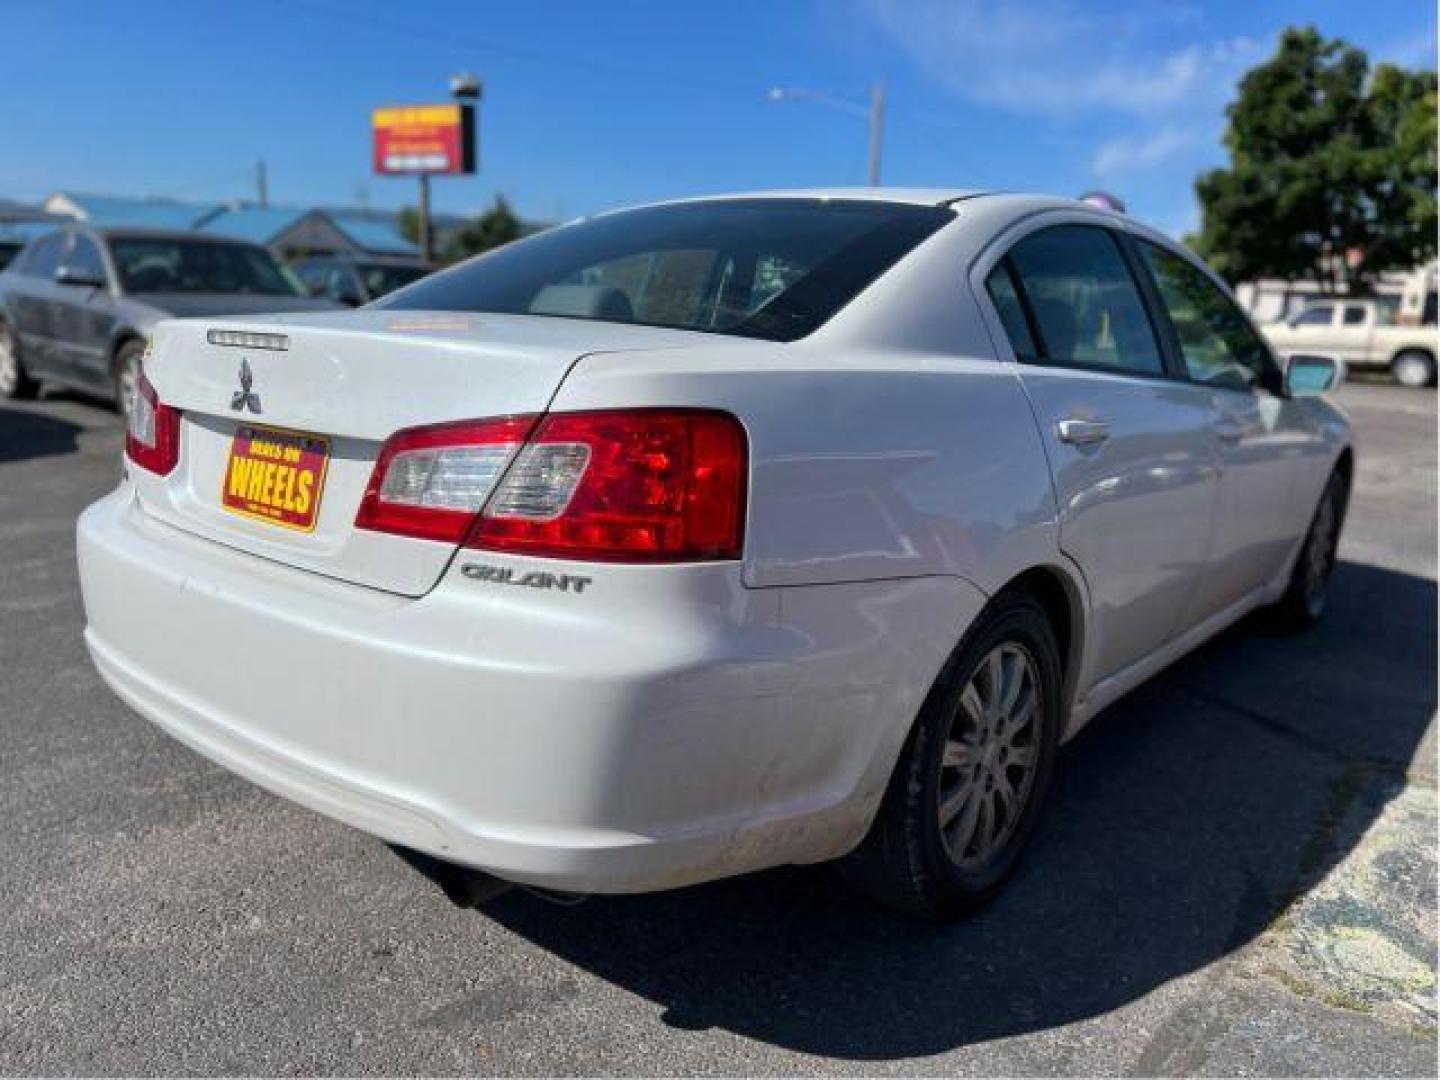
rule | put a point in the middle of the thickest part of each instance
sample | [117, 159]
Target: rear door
[85, 316]
[31, 293]
[1131, 449]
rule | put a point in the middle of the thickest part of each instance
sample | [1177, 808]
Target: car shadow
[1182, 823]
[25, 435]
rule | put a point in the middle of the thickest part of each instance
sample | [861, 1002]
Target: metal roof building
[104, 211]
[289, 230]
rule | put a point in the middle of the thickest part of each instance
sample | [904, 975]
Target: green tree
[1332, 172]
[494, 227]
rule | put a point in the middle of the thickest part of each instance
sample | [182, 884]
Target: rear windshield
[766, 268]
[153, 265]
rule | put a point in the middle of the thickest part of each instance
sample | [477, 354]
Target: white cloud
[1147, 79]
[1044, 57]
[1131, 153]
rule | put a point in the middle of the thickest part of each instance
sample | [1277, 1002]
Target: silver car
[77, 305]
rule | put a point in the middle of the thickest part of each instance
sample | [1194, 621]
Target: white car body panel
[678, 723]
[701, 734]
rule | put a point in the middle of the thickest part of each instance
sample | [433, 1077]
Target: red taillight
[430, 482]
[636, 485]
[633, 485]
[152, 431]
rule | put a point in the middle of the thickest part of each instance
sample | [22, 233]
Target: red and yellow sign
[276, 476]
[424, 138]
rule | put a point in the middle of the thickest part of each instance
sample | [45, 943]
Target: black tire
[15, 382]
[906, 862]
[1304, 602]
[127, 367]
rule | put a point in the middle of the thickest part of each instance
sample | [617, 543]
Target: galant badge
[243, 398]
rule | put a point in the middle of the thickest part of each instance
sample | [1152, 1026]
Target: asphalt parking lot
[1237, 873]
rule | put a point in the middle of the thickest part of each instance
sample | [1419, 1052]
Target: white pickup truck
[1360, 334]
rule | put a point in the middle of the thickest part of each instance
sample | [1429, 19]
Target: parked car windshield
[154, 265]
[8, 251]
[767, 268]
[382, 278]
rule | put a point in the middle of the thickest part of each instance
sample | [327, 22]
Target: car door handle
[1082, 432]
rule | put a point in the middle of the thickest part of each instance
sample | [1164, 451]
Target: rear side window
[1001, 287]
[44, 258]
[767, 268]
[1217, 342]
[1084, 302]
[1316, 316]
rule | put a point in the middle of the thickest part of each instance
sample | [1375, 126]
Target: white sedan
[714, 535]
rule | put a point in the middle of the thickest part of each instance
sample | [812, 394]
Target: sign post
[424, 141]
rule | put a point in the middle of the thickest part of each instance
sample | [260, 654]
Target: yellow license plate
[276, 476]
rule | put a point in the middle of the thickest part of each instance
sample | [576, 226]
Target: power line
[501, 49]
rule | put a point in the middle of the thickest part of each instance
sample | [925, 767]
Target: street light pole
[874, 114]
[877, 128]
[425, 217]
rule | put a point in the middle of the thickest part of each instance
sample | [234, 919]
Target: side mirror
[1307, 376]
[66, 275]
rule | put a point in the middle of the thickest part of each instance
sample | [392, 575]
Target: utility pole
[874, 114]
[877, 129]
[262, 188]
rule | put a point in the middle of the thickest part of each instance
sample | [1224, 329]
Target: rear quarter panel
[865, 465]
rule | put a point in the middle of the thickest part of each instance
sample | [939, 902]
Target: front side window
[84, 260]
[768, 268]
[1320, 315]
[1218, 344]
[154, 265]
[1354, 315]
[1084, 301]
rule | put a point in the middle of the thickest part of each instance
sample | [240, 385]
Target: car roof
[919, 196]
[1015, 203]
[140, 233]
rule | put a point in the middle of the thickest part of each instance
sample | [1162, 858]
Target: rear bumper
[662, 728]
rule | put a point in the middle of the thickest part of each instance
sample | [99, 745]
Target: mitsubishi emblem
[243, 398]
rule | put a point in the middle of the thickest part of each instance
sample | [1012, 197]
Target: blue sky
[590, 105]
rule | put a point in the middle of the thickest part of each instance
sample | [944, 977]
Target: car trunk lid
[320, 394]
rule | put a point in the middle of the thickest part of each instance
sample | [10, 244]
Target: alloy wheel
[991, 756]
